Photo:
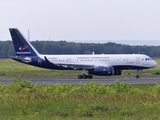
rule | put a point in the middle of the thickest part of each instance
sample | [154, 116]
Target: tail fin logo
[23, 47]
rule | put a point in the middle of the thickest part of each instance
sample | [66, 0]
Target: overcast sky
[86, 20]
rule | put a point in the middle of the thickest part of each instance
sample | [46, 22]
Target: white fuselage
[126, 61]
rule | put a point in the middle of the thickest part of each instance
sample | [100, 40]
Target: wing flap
[73, 65]
[76, 66]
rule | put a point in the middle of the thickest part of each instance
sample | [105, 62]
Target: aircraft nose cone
[155, 64]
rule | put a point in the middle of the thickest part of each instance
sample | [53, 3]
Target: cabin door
[137, 60]
[69, 60]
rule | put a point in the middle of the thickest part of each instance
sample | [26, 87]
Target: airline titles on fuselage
[54, 59]
[93, 58]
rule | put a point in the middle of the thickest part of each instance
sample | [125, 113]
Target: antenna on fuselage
[28, 35]
[93, 52]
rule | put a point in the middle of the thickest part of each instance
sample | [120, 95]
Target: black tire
[90, 76]
[137, 76]
[85, 76]
[80, 76]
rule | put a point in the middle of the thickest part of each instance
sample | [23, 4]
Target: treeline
[63, 47]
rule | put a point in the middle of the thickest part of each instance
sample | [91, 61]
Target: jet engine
[102, 71]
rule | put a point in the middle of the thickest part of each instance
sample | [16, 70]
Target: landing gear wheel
[137, 76]
[90, 76]
[85, 76]
[80, 76]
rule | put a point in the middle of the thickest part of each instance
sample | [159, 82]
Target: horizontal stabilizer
[26, 59]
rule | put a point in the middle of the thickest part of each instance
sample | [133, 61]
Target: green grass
[21, 100]
[12, 69]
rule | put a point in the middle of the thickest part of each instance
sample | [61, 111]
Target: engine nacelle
[102, 71]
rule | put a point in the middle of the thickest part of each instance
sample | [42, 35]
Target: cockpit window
[148, 59]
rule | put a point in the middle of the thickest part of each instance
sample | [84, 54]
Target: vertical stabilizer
[21, 45]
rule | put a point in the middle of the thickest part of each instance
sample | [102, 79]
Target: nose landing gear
[137, 76]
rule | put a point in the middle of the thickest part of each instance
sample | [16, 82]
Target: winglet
[46, 59]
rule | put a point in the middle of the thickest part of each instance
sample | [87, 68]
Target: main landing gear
[83, 76]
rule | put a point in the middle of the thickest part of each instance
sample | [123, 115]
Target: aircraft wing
[73, 65]
[76, 66]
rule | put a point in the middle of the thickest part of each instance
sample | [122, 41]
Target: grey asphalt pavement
[82, 81]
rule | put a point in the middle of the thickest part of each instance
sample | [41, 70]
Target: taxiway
[82, 81]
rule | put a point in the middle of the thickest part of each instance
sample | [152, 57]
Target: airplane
[96, 64]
